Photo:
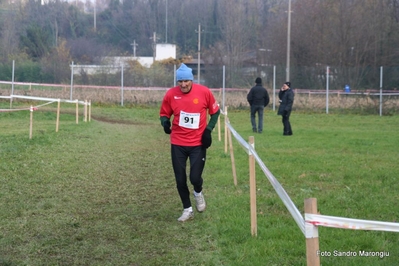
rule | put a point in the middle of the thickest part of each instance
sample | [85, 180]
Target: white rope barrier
[38, 106]
[276, 185]
[312, 220]
[46, 99]
[87, 108]
[348, 223]
[15, 110]
[34, 108]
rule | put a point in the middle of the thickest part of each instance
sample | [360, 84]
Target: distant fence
[370, 101]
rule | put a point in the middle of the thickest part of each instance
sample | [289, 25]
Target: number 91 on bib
[189, 120]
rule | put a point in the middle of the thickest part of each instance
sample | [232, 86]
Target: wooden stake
[312, 241]
[31, 122]
[85, 111]
[219, 131]
[77, 112]
[89, 110]
[233, 164]
[57, 123]
[252, 189]
[225, 129]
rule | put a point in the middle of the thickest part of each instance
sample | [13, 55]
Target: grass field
[103, 193]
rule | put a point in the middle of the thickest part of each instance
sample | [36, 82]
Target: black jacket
[258, 95]
[286, 101]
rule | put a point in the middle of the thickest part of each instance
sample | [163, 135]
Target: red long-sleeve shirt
[189, 112]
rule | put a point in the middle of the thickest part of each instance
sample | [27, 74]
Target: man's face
[185, 85]
[285, 87]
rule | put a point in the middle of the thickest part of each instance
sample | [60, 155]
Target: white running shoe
[187, 215]
[200, 202]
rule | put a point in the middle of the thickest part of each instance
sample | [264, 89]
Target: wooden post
[225, 129]
[89, 110]
[252, 189]
[57, 123]
[31, 122]
[312, 235]
[219, 131]
[233, 164]
[77, 112]
[85, 111]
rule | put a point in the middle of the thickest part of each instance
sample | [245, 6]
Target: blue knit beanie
[184, 73]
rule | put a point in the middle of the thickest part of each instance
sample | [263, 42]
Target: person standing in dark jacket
[286, 96]
[258, 99]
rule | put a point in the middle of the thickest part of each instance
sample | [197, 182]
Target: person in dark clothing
[286, 96]
[258, 99]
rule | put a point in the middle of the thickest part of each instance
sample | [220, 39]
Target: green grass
[103, 193]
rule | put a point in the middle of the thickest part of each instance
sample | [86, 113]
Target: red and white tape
[348, 223]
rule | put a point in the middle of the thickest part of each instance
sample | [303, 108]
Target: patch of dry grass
[306, 101]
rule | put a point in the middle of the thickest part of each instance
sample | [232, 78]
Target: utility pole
[287, 78]
[95, 15]
[166, 22]
[134, 44]
[154, 45]
[199, 53]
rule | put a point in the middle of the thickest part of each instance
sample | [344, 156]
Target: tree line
[351, 36]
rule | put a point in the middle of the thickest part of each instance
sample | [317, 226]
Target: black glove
[166, 127]
[206, 139]
[285, 113]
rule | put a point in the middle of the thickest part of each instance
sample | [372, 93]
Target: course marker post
[312, 235]
[31, 122]
[219, 136]
[89, 110]
[77, 111]
[57, 123]
[233, 164]
[225, 129]
[85, 111]
[252, 188]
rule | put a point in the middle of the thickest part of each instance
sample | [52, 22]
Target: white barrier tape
[311, 231]
[47, 99]
[15, 110]
[308, 225]
[240, 140]
[347, 223]
[276, 185]
[73, 101]
[35, 108]
[38, 106]
[33, 98]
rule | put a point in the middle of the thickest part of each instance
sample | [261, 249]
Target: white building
[165, 51]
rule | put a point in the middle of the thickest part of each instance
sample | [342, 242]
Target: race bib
[189, 120]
